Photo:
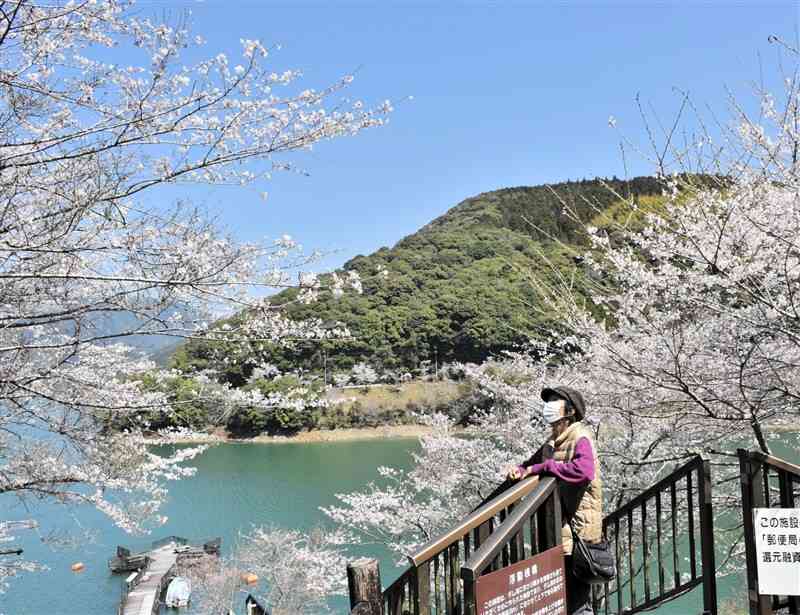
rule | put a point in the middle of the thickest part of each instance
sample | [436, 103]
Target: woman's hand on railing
[518, 472]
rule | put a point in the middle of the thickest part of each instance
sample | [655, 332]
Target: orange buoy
[249, 578]
[77, 567]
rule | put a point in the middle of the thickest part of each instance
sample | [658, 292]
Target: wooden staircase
[651, 535]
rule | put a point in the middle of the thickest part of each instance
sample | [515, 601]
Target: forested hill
[456, 289]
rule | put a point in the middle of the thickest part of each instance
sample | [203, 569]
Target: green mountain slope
[456, 290]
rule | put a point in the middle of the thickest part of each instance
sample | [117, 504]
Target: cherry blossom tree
[457, 466]
[690, 341]
[680, 325]
[363, 373]
[101, 110]
[300, 571]
[293, 572]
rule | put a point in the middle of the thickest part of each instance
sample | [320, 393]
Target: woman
[570, 457]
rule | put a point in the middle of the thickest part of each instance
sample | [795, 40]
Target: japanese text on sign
[534, 586]
[777, 539]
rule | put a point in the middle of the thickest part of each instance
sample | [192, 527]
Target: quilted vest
[581, 504]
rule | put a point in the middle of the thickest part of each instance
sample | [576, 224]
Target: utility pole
[325, 364]
[436, 356]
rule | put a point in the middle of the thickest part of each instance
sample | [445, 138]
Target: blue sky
[504, 94]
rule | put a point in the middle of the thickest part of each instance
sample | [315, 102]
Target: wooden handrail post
[549, 522]
[364, 584]
[469, 597]
[421, 589]
[751, 474]
[558, 522]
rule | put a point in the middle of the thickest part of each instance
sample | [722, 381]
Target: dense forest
[456, 290]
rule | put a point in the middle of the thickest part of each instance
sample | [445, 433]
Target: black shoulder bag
[592, 563]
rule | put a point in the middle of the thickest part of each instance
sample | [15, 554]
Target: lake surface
[237, 486]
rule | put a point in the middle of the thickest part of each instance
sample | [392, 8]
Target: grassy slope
[391, 404]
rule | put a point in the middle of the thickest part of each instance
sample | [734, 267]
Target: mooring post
[364, 585]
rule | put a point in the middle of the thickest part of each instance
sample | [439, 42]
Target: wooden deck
[143, 599]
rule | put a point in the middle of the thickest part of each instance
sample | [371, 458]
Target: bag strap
[575, 535]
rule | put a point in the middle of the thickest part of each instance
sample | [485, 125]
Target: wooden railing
[767, 482]
[652, 533]
[663, 540]
[432, 584]
[532, 526]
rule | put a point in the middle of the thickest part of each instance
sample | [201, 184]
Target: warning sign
[535, 586]
[778, 550]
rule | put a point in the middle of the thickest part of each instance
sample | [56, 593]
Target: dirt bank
[333, 435]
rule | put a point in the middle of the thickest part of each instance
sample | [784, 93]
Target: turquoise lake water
[237, 486]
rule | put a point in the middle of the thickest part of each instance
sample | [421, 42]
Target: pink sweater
[580, 469]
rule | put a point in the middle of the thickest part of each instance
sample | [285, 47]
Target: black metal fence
[652, 534]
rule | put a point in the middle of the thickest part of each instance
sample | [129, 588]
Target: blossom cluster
[92, 259]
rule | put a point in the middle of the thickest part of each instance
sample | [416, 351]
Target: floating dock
[146, 586]
[156, 568]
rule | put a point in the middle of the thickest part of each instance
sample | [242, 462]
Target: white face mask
[552, 411]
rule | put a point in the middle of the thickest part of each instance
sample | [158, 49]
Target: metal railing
[652, 533]
[767, 482]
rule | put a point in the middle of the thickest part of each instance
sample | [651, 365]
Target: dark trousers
[579, 594]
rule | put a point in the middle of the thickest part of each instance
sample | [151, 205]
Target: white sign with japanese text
[778, 550]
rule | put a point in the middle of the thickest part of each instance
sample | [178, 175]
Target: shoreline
[353, 434]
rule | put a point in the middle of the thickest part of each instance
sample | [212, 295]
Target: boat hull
[178, 592]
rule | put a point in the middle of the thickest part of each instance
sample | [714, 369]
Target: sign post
[777, 539]
[535, 586]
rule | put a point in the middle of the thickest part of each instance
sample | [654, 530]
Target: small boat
[178, 592]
